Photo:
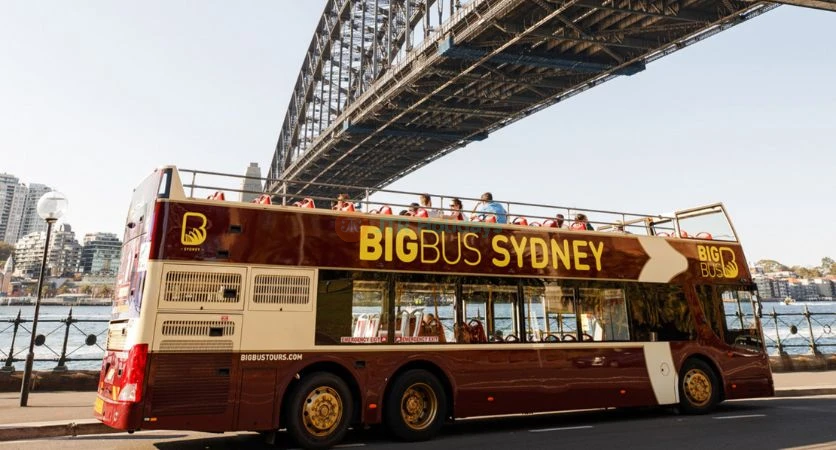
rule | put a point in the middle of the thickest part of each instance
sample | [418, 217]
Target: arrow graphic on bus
[664, 263]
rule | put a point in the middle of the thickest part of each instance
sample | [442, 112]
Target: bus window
[742, 327]
[490, 313]
[659, 312]
[559, 312]
[712, 308]
[536, 317]
[505, 323]
[475, 306]
[603, 314]
[350, 310]
[424, 312]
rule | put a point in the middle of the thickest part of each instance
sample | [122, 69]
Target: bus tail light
[134, 374]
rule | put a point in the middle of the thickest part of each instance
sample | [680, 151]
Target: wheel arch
[713, 366]
[329, 367]
[432, 368]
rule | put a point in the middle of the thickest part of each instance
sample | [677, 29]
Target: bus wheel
[416, 406]
[699, 389]
[319, 410]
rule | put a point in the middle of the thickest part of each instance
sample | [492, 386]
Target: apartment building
[100, 254]
[62, 257]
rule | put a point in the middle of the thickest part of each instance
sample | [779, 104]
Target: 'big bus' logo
[717, 262]
[194, 229]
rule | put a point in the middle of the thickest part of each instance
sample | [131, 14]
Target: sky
[95, 94]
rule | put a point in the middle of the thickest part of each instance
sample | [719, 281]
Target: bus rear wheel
[416, 406]
[699, 389]
[319, 410]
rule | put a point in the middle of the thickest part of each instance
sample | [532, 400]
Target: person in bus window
[487, 207]
[560, 221]
[426, 204]
[456, 210]
[581, 223]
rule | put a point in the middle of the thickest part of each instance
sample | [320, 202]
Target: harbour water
[785, 323]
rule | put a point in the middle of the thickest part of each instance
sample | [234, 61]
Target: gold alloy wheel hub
[322, 411]
[697, 387]
[419, 406]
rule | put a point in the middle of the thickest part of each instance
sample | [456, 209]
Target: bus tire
[416, 406]
[699, 388]
[319, 410]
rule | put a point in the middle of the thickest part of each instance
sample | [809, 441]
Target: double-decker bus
[275, 314]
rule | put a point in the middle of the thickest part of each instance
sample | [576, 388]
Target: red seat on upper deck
[305, 203]
[519, 220]
[385, 210]
[218, 195]
[263, 199]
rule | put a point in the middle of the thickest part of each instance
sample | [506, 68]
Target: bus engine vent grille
[282, 289]
[189, 346]
[116, 338]
[202, 287]
[198, 328]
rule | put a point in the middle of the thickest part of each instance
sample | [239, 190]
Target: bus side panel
[743, 375]
[194, 391]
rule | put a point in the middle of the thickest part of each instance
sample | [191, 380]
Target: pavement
[70, 413]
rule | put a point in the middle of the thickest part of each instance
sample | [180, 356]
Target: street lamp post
[50, 207]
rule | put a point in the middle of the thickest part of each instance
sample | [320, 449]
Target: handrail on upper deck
[602, 220]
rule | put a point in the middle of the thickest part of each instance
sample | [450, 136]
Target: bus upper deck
[710, 222]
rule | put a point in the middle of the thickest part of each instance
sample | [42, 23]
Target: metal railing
[806, 332]
[70, 333]
[797, 333]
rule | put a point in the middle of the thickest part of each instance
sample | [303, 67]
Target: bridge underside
[493, 63]
[828, 5]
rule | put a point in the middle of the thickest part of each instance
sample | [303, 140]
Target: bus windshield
[136, 244]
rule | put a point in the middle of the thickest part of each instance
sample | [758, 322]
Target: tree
[6, 249]
[805, 272]
[827, 265]
[770, 265]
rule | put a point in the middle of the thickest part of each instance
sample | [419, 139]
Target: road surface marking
[740, 417]
[542, 430]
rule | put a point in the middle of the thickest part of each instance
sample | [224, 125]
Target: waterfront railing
[63, 341]
[78, 342]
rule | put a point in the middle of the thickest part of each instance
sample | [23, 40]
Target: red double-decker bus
[274, 314]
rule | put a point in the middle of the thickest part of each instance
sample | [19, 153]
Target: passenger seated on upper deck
[343, 203]
[487, 207]
[456, 210]
[416, 210]
[581, 223]
[426, 204]
[560, 221]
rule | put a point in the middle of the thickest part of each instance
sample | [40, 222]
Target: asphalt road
[778, 423]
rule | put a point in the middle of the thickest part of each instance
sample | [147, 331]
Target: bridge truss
[388, 86]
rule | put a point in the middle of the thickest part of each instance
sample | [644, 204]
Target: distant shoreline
[30, 301]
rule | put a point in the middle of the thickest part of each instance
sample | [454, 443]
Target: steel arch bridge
[388, 86]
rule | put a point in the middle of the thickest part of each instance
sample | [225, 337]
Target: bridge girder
[827, 5]
[368, 109]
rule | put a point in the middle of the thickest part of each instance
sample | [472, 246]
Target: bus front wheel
[416, 406]
[699, 389]
[319, 411]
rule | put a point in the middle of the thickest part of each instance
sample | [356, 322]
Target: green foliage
[805, 272]
[6, 249]
[827, 267]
